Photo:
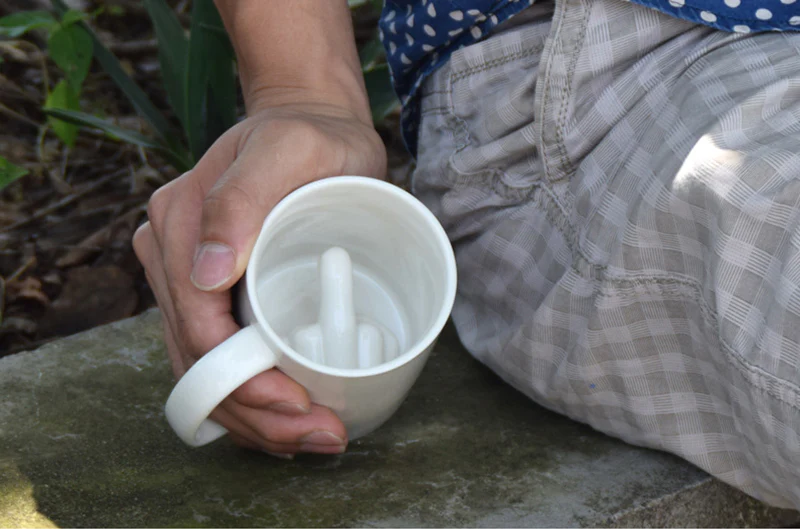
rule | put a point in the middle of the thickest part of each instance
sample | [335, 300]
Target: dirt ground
[66, 261]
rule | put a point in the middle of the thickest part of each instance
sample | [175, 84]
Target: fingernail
[213, 265]
[322, 449]
[322, 437]
[279, 455]
[289, 408]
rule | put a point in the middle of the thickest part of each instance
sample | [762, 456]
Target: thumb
[270, 164]
[233, 212]
[237, 198]
[273, 161]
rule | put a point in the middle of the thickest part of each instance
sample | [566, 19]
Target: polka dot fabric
[741, 16]
[420, 35]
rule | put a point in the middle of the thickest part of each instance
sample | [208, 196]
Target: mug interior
[403, 265]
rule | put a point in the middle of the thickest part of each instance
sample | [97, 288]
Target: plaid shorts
[622, 190]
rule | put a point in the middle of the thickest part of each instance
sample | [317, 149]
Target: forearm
[291, 51]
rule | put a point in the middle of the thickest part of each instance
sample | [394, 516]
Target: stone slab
[83, 442]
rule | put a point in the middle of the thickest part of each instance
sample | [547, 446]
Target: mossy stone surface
[83, 442]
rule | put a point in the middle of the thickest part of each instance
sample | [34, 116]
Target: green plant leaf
[377, 5]
[63, 97]
[18, 24]
[222, 100]
[70, 47]
[177, 159]
[72, 16]
[382, 98]
[173, 52]
[211, 81]
[144, 107]
[370, 54]
[10, 172]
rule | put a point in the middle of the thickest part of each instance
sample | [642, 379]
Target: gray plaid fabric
[622, 191]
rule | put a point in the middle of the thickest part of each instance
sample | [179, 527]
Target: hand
[201, 230]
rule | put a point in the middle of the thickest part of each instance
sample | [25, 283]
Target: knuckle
[158, 205]
[230, 199]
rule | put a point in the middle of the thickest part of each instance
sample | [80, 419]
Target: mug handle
[210, 380]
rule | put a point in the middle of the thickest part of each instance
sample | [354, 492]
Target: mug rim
[420, 345]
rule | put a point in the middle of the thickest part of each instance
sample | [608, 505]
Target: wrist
[339, 90]
[296, 51]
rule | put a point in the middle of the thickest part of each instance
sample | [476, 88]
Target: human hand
[201, 230]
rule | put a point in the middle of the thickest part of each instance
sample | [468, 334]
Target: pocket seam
[565, 163]
[460, 130]
[488, 65]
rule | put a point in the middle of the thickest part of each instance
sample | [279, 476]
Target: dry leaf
[28, 288]
[91, 296]
[16, 324]
[122, 228]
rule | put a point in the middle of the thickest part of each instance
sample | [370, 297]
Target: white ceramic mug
[354, 272]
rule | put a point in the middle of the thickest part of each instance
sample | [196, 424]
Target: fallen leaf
[121, 228]
[26, 288]
[52, 278]
[85, 249]
[91, 296]
[17, 324]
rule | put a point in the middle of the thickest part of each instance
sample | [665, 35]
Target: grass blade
[178, 160]
[222, 78]
[144, 107]
[211, 81]
[173, 51]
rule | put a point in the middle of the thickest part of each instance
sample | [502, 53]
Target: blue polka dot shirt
[420, 35]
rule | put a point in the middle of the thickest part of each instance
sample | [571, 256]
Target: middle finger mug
[350, 283]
